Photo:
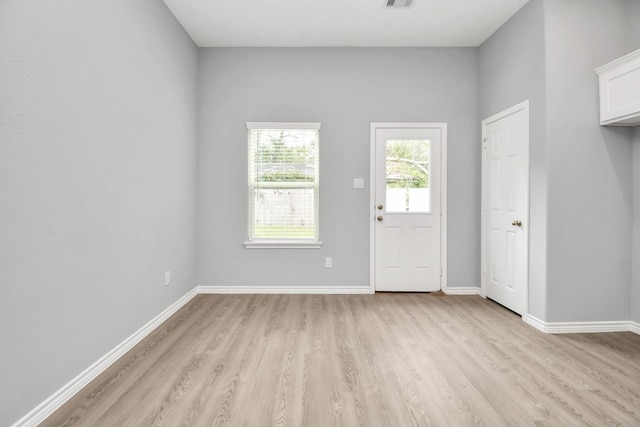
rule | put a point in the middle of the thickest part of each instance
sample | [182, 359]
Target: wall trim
[284, 289]
[463, 290]
[581, 327]
[56, 400]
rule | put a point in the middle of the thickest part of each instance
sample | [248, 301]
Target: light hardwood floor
[361, 360]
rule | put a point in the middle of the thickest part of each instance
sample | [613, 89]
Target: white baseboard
[284, 289]
[467, 290]
[56, 400]
[581, 327]
[327, 290]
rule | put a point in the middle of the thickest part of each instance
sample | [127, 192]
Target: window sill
[279, 244]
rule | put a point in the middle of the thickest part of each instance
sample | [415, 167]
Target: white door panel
[407, 193]
[506, 207]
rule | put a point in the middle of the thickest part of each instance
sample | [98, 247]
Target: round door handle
[380, 207]
[517, 223]
[380, 218]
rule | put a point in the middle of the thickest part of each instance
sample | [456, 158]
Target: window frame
[281, 243]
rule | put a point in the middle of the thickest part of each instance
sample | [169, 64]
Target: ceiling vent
[398, 4]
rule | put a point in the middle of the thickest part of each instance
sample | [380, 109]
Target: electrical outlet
[167, 278]
[328, 262]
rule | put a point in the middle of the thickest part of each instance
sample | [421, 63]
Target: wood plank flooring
[361, 360]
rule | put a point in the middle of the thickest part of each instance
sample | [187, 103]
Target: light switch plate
[358, 182]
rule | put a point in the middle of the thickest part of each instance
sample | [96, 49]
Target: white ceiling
[341, 22]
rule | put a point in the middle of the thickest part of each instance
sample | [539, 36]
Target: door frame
[443, 196]
[522, 106]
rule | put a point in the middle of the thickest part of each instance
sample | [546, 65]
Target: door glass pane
[408, 176]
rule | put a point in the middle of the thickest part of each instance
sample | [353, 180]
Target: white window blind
[283, 182]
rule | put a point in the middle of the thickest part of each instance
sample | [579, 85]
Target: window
[408, 176]
[283, 185]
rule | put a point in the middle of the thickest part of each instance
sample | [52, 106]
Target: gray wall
[633, 14]
[345, 89]
[97, 183]
[581, 173]
[512, 69]
[634, 38]
[635, 285]
[589, 167]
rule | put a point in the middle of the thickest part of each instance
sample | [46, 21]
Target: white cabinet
[620, 91]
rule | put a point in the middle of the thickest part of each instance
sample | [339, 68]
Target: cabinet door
[620, 91]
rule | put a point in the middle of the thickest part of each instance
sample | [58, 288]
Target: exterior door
[505, 213]
[407, 206]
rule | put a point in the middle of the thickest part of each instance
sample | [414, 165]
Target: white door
[407, 206]
[505, 213]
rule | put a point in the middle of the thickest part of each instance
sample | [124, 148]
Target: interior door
[407, 190]
[506, 207]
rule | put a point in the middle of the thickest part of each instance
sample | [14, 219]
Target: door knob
[517, 223]
[380, 218]
[380, 207]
